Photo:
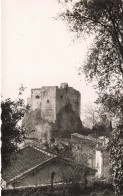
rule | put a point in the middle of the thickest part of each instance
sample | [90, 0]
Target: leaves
[115, 147]
[104, 63]
[12, 134]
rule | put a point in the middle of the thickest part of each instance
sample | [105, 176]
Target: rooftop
[25, 161]
[84, 137]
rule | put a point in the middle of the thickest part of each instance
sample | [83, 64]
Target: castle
[50, 99]
[48, 114]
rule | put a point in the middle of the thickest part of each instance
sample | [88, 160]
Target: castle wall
[43, 132]
[45, 99]
[36, 96]
[50, 99]
[74, 97]
[65, 96]
[48, 103]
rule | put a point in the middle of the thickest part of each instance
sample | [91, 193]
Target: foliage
[101, 129]
[97, 120]
[91, 114]
[12, 134]
[104, 20]
[102, 185]
[115, 147]
[58, 191]
[75, 179]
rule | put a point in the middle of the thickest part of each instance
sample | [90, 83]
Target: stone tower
[50, 99]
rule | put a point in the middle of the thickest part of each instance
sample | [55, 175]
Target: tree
[11, 132]
[97, 120]
[104, 64]
[115, 147]
[92, 115]
[75, 179]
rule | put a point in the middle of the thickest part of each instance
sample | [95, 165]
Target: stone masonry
[50, 99]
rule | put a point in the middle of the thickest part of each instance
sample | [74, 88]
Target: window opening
[37, 97]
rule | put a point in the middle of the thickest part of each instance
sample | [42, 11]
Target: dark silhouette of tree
[115, 147]
[11, 132]
[104, 20]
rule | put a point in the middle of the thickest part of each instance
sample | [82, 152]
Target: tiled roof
[26, 160]
[84, 137]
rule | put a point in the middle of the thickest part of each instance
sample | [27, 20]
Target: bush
[107, 192]
[74, 189]
[101, 185]
[93, 194]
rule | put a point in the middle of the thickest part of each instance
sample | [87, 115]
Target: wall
[40, 134]
[99, 163]
[48, 103]
[50, 99]
[84, 154]
[36, 96]
[43, 175]
[95, 153]
[83, 150]
[43, 132]
[45, 99]
[65, 96]
[82, 141]
[106, 165]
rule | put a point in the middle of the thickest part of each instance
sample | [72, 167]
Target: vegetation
[97, 120]
[75, 180]
[115, 148]
[67, 122]
[59, 190]
[12, 134]
[104, 65]
[104, 20]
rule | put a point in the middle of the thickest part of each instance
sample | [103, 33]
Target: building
[50, 99]
[93, 150]
[54, 113]
[84, 145]
[33, 166]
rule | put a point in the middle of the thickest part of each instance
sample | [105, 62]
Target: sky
[38, 50]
